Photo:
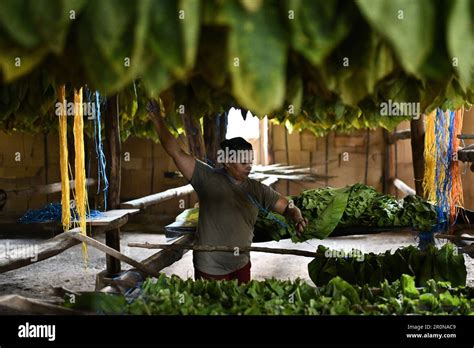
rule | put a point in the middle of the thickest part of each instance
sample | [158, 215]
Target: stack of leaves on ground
[174, 296]
[443, 264]
[358, 205]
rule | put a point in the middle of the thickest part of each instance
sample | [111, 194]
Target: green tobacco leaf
[337, 287]
[408, 26]
[213, 56]
[14, 17]
[257, 52]
[330, 217]
[460, 39]
[354, 70]
[106, 42]
[408, 286]
[98, 302]
[315, 39]
[457, 266]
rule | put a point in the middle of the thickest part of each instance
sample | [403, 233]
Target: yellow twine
[80, 171]
[429, 184]
[63, 161]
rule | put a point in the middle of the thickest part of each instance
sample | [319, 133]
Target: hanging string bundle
[99, 149]
[63, 161]
[456, 199]
[80, 170]
[442, 183]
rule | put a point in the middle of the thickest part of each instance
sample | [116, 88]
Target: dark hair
[237, 143]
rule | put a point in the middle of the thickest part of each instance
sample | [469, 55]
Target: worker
[229, 202]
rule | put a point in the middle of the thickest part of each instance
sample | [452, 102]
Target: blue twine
[441, 166]
[268, 214]
[444, 158]
[99, 149]
[52, 212]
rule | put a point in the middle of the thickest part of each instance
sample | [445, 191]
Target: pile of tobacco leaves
[358, 205]
[174, 296]
[444, 264]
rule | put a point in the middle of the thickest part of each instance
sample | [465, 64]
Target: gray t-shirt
[226, 217]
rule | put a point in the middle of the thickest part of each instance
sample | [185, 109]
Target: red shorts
[242, 275]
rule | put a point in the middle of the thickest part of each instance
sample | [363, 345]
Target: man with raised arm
[229, 202]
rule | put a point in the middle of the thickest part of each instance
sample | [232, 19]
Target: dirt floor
[67, 269]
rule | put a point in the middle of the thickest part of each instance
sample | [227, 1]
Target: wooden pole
[114, 253]
[269, 146]
[113, 151]
[143, 202]
[223, 248]
[386, 166]
[400, 185]
[417, 150]
[367, 149]
[326, 160]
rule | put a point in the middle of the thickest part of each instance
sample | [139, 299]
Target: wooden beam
[399, 135]
[270, 181]
[270, 146]
[39, 252]
[46, 189]
[52, 247]
[231, 249]
[465, 136]
[399, 184]
[114, 157]
[466, 155]
[367, 151]
[144, 202]
[417, 149]
[29, 306]
[114, 253]
[386, 164]
[165, 258]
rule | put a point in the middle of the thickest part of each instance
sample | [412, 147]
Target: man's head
[236, 155]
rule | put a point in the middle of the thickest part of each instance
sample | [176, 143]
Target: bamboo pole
[223, 248]
[114, 253]
[144, 202]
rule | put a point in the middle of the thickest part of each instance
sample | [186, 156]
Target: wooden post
[386, 166]
[326, 160]
[417, 150]
[194, 136]
[114, 153]
[270, 150]
[287, 160]
[367, 150]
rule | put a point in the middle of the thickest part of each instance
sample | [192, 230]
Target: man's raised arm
[184, 161]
